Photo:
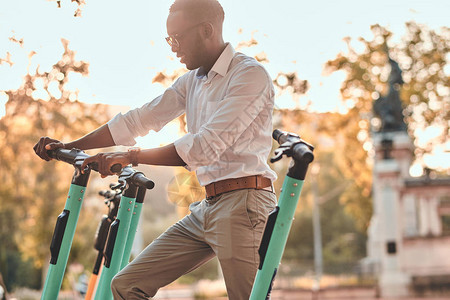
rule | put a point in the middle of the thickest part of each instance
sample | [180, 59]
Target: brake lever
[120, 185]
[284, 149]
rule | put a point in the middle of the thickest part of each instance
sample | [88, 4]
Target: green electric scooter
[112, 200]
[68, 219]
[122, 231]
[280, 219]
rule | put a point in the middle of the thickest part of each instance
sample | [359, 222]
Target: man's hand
[106, 160]
[45, 144]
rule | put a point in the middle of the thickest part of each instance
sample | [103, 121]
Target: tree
[32, 192]
[343, 234]
[80, 4]
[422, 56]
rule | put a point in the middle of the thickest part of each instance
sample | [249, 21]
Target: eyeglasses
[172, 40]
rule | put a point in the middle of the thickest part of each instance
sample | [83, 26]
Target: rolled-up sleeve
[248, 94]
[151, 116]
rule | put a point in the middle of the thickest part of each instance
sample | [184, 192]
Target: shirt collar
[223, 62]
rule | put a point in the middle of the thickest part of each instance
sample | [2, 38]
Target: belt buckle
[208, 198]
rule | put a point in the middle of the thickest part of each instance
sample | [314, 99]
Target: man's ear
[208, 30]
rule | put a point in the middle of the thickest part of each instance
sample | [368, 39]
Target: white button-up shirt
[228, 115]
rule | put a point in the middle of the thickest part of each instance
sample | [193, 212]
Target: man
[228, 99]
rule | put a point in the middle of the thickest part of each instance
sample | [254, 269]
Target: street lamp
[318, 259]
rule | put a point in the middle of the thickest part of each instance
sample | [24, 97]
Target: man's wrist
[69, 145]
[133, 153]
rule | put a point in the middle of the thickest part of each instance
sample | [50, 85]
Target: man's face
[187, 34]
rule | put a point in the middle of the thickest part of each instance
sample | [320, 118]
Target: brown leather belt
[227, 185]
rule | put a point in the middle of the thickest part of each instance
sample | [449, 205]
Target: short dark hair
[202, 10]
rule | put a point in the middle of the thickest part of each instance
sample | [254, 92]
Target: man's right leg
[176, 252]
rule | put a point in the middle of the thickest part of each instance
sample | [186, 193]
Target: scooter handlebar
[293, 146]
[74, 155]
[139, 179]
[300, 149]
[130, 175]
[65, 155]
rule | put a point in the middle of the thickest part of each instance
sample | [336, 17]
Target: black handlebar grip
[139, 179]
[67, 156]
[116, 168]
[303, 153]
[276, 134]
[51, 153]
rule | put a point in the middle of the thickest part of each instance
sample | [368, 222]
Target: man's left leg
[236, 222]
[177, 251]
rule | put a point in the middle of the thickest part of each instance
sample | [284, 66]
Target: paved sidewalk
[187, 293]
[297, 294]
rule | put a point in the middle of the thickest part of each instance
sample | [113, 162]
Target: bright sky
[124, 41]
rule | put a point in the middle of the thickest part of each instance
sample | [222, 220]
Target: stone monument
[389, 108]
[393, 157]
[409, 233]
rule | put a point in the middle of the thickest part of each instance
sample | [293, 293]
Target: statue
[389, 108]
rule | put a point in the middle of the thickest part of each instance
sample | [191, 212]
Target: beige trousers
[229, 225]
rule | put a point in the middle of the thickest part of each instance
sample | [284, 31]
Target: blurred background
[374, 214]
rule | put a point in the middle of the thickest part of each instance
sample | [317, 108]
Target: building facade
[409, 235]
